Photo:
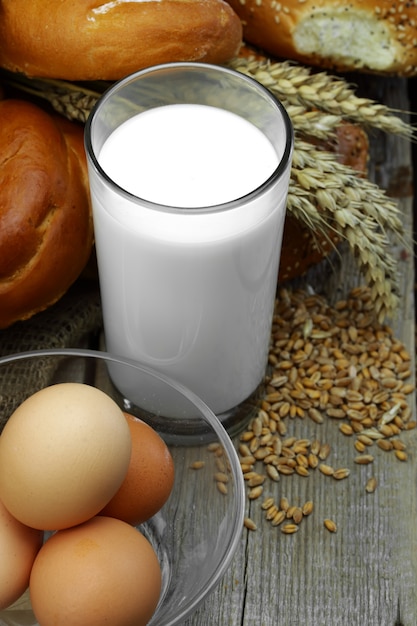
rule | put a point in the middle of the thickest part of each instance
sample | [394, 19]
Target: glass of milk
[189, 167]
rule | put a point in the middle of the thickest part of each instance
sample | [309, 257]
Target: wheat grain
[254, 492]
[197, 465]
[371, 485]
[307, 508]
[222, 487]
[325, 469]
[284, 504]
[266, 504]
[249, 524]
[279, 518]
[330, 525]
[271, 512]
[364, 459]
[341, 473]
[289, 529]
[297, 515]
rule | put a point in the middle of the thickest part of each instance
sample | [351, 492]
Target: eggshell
[63, 454]
[149, 479]
[101, 572]
[19, 546]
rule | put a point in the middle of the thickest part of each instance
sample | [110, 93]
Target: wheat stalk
[297, 85]
[73, 101]
[337, 187]
[315, 123]
[326, 195]
[330, 196]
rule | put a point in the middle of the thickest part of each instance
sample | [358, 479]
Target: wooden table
[365, 574]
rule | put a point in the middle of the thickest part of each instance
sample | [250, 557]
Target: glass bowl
[195, 542]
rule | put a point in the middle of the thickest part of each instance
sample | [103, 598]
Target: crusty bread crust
[46, 230]
[378, 36]
[93, 40]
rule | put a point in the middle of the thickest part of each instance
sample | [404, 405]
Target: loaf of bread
[377, 36]
[46, 230]
[93, 40]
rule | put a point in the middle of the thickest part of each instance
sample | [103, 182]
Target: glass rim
[216, 208]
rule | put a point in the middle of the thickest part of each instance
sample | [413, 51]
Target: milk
[189, 291]
[188, 155]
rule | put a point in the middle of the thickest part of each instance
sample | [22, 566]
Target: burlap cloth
[74, 321]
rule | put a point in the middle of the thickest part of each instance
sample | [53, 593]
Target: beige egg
[63, 454]
[101, 572]
[19, 546]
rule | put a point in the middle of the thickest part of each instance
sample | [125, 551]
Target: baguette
[90, 40]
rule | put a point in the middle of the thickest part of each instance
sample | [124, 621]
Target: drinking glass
[189, 167]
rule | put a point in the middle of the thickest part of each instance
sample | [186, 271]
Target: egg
[19, 546]
[103, 571]
[64, 453]
[149, 479]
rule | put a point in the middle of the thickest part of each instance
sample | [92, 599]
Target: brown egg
[149, 479]
[101, 572]
[63, 454]
[19, 546]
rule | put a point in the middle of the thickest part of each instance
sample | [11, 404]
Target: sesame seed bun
[362, 35]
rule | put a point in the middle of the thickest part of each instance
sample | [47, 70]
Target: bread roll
[93, 40]
[46, 230]
[377, 36]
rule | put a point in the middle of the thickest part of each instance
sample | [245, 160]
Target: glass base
[236, 420]
[193, 431]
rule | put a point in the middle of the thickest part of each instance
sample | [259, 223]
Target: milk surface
[190, 292]
[188, 155]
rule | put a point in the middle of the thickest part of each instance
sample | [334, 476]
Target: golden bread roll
[46, 230]
[377, 36]
[92, 40]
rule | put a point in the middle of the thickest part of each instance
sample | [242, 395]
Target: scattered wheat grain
[330, 525]
[250, 524]
[197, 465]
[364, 459]
[307, 508]
[371, 485]
[289, 529]
[325, 469]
